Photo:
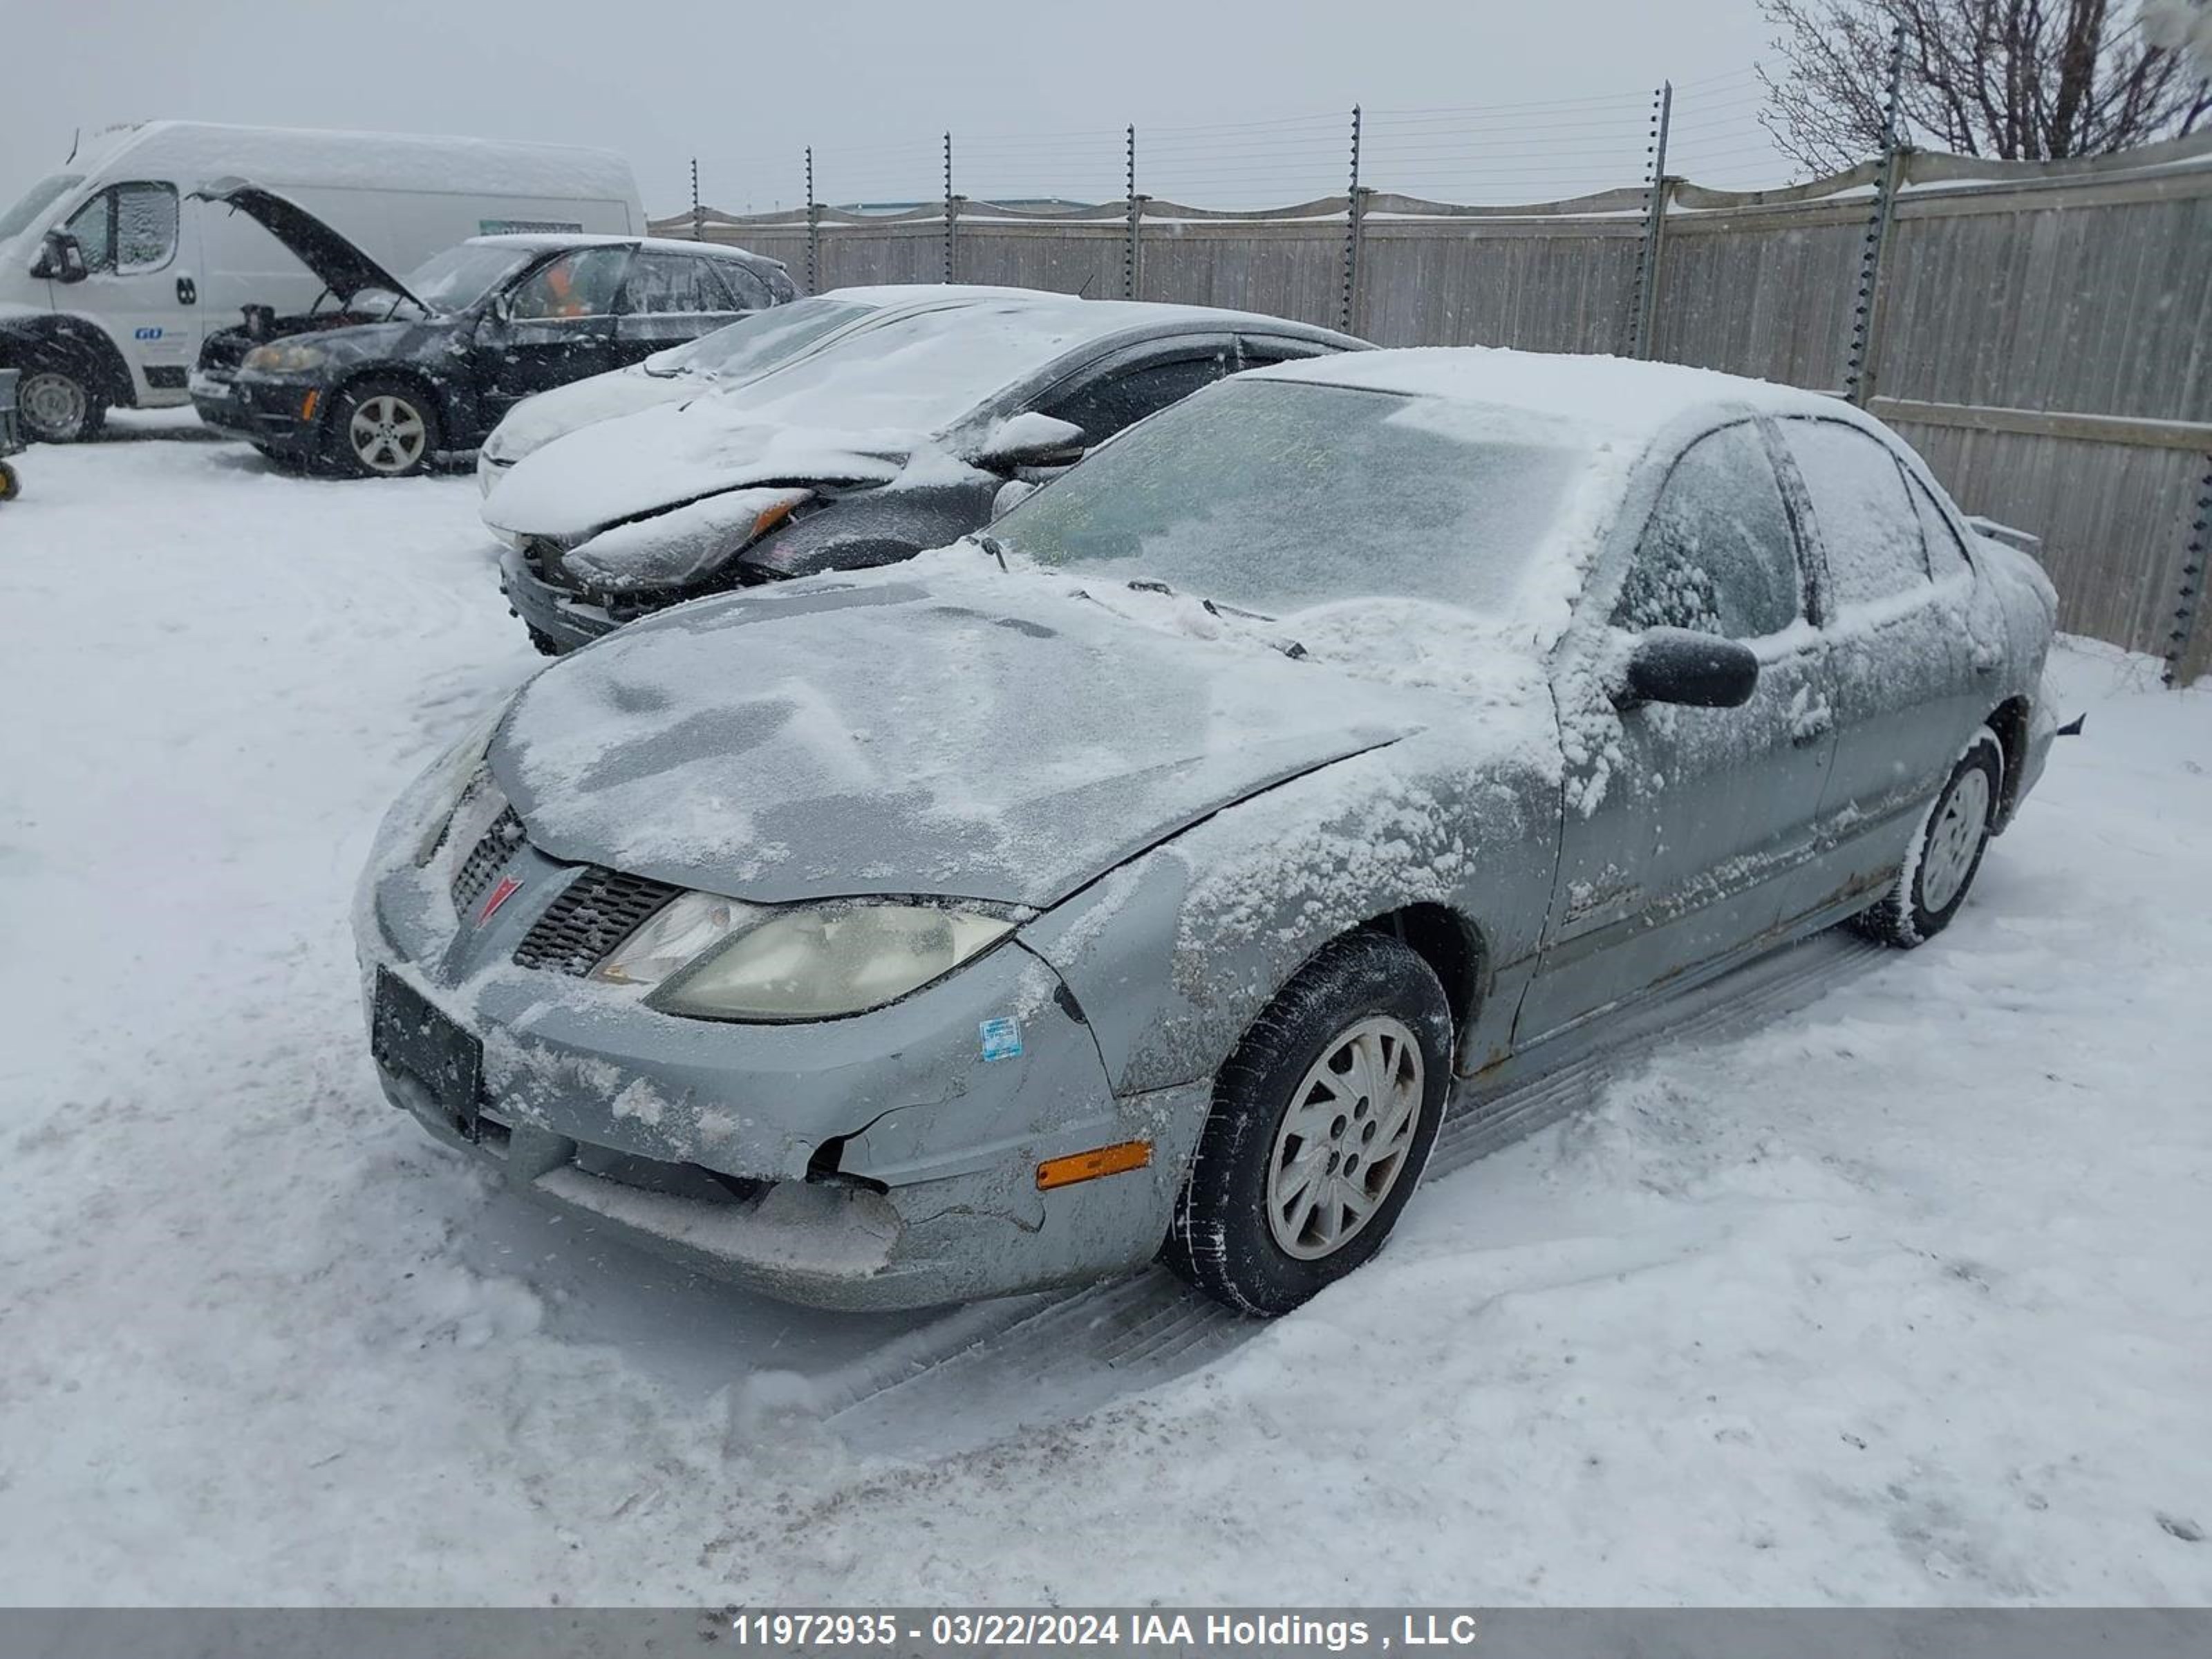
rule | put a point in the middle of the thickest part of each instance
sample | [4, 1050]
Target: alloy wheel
[1343, 1144]
[387, 434]
[1954, 839]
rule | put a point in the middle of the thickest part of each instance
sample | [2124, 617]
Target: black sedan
[393, 374]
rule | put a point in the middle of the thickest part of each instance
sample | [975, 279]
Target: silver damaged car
[1137, 878]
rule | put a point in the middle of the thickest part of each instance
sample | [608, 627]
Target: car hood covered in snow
[665, 457]
[539, 420]
[987, 736]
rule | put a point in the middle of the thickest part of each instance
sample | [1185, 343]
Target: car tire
[382, 428]
[1270, 1213]
[1945, 852]
[57, 407]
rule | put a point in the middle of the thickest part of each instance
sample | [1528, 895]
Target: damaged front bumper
[558, 614]
[876, 1162]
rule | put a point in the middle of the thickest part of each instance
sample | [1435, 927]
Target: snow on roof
[193, 152]
[902, 293]
[541, 240]
[1617, 396]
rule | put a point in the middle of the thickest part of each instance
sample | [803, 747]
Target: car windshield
[458, 277]
[41, 196]
[1274, 495]
[759, 342]
[917, 374]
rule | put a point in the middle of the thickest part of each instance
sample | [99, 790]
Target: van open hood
[341, 266]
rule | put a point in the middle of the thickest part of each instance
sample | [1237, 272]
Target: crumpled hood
[538, 421]
[674, 454]
[984, 736]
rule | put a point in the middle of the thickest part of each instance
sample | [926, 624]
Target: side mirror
[1693, 670]
[61, 259]
[1009, 494]
[1029, 440]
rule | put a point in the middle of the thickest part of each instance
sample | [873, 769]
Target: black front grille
[596, 912]
[492, 849]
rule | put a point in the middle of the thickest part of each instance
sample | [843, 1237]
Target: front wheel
[1321, 1123]
[58, 408]
[1946, 852]
[383, 429]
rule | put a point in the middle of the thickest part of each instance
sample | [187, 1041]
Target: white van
[113, 271]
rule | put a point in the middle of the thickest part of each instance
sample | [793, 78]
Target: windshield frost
[760, 342]
[1277, 495]
[458, 277]
[42, 196]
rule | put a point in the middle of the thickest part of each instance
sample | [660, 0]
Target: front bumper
[555, 612]
[876, 1162]
[274, 415]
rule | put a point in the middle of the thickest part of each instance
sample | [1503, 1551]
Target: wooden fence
[2042, 333]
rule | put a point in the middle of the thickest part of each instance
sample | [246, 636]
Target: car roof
[1616, 396]
[540, 242]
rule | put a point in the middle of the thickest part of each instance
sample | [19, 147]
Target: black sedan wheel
[1320, 1126]
[383, 429]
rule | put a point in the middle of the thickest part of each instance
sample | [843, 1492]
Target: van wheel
[383, 429]
[1321, 1123]
[58, 408]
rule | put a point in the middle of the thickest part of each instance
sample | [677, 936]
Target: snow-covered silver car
[1136, 877]
[877, 444]
[729, 356]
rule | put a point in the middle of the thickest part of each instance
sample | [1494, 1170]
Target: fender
[72, 345]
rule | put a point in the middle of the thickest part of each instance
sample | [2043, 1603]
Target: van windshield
[458, 277]
[42, 196]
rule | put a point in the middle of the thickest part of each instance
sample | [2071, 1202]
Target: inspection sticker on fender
[1002, 1038]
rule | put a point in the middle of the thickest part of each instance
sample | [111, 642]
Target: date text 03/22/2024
[1121, 1631]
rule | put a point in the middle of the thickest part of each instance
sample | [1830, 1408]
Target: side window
[127, 228]
[1866, 522]
[661, 283]
[1258, 350]
[581, 283]
[1946, 557]
[1102, 405]
[747, 292]
[1718, 555]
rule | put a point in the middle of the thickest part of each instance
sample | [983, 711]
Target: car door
[670, 300]
[555, 324]
[1688, 833]
[1903, 664]
[137, 284]
[1116, 392]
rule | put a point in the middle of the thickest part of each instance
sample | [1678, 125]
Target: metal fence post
[1859, 366]
[952, 212]
[813, 229]
[1656, 188]
[698, 218]
[1129, 251]
[1352, 215]
[2192, 581]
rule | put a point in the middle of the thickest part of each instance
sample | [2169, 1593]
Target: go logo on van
[147, 334]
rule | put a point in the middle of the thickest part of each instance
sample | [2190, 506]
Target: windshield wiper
[1290, 648]
[992, 545]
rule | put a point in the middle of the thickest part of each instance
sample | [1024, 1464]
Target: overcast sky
[1036, 94]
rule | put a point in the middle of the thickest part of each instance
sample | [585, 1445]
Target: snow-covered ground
[1883, 1282]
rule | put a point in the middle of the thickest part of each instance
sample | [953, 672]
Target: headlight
[813, 962]
[284, 358]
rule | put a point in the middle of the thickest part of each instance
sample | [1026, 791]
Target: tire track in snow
[949, 1388]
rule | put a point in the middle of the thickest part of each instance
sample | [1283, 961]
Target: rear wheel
[1945, 852]
[383, 429]
[1321, 1123]
[58, 407]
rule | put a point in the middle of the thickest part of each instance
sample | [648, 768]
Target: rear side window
[1868, 524]
[1718, 555]
[660, 284]
[581, 283]
[1104, 404]
[747, 291]
[130, 227]
[1946, 557]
